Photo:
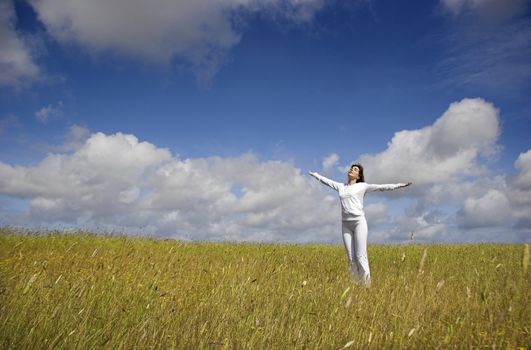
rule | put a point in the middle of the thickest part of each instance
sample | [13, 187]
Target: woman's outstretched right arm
[326, 181]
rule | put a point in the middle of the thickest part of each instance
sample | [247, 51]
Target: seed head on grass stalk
[411, 332]
[349, 301]
[422, 261]
[350, 343]
[439, 285]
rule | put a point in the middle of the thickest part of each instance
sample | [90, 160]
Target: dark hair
[361, 177]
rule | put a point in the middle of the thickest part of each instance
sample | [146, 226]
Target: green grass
[84, 291]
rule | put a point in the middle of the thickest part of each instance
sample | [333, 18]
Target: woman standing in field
[354, 224]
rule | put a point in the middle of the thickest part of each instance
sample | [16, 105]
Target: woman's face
[354, 173]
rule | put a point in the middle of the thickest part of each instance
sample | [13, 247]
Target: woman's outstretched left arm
[387, 187]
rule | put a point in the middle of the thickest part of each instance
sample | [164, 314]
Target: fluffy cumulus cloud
[330, 162]
[443, 152]
[454, 192]
[116, 181]
[505, 204]
[523, 178]
[377, 213]
[198, 32]
[491, 209]
[17, 67]
[519, 192]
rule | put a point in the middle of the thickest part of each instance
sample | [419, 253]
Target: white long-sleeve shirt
[351, 196]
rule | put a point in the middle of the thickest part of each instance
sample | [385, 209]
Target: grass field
[84, 291]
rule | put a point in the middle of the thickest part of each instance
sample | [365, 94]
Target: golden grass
[83, 291]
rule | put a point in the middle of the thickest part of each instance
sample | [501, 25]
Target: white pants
[355, 239]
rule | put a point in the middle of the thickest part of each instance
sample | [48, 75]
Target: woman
[354, 225]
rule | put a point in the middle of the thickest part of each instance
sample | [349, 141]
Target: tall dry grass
[83, 291]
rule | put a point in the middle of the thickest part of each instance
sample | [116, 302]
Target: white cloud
[117, 181]
[46, 113]
[330, 161]
[200, 32]
[506, 202]
[453, 189]
[492, 209]
[519, 191]
[444, 152]
[478, 208]
[377, 214]
[522, 180]
[17, 66]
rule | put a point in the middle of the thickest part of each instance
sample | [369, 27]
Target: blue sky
[204, 91]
